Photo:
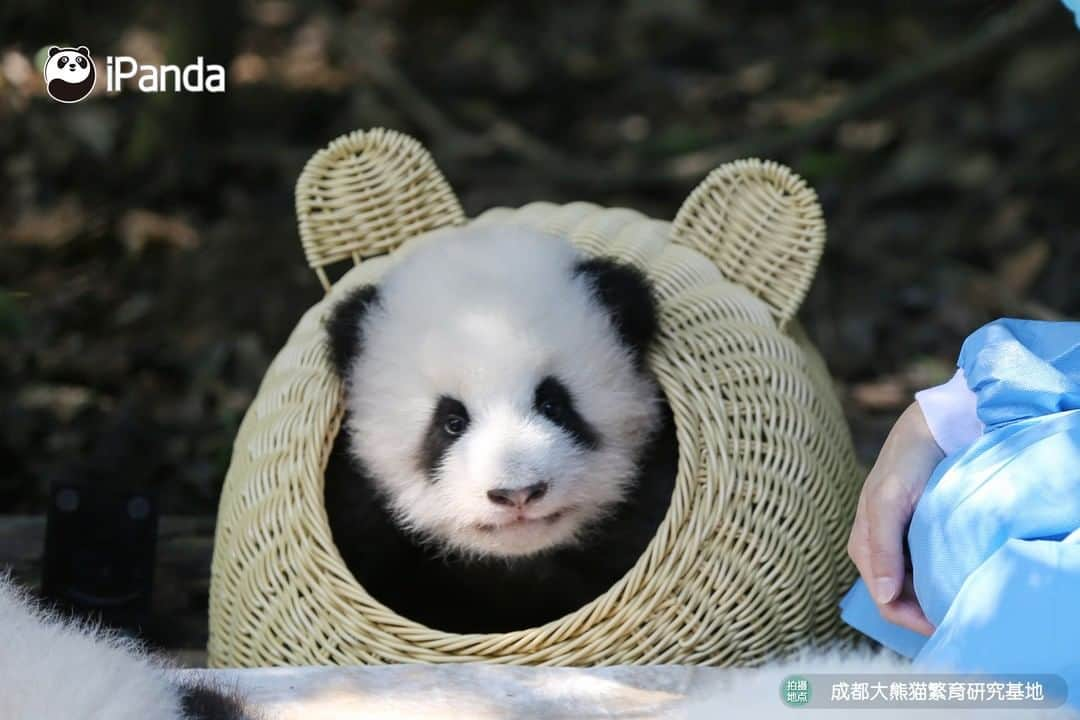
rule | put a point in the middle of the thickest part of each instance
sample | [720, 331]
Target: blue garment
[1074, 5]
[995, 538]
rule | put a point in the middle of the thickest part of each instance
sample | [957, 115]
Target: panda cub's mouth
[523, 522]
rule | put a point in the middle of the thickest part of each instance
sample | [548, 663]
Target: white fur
[71, 70]
[482, 315]
[51, 669]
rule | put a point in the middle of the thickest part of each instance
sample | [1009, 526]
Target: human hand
[887, 502]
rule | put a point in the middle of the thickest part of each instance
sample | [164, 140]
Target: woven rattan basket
[749, 560]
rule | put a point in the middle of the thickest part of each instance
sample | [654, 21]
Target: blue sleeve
[1074, 5]
[1020, 369]
[1015, 614]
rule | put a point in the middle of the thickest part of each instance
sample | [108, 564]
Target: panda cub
[505, 455]
[57, 669]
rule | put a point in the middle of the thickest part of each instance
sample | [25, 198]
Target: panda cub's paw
[52, 668]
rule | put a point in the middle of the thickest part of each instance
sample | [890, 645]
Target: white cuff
[951, 414]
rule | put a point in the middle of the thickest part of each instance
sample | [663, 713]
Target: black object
[99, 552]
[101, 528]
[211, 702]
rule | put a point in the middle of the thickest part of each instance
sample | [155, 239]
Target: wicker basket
[749, 560]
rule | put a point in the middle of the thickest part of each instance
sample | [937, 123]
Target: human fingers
[905, 611]
[888, 511]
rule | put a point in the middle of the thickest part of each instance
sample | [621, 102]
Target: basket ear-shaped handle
[365, 194]
[762, 226]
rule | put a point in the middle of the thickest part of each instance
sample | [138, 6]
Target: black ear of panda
[82, 49]
[627, 295]
[206, 702]
[53, 50]
[343, 326]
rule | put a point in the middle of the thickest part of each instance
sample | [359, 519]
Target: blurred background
[150, 266]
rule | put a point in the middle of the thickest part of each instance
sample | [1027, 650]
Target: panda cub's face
[496, 389]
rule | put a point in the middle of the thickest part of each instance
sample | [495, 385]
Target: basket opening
[454, 594]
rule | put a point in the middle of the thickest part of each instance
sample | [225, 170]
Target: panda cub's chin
[524, 535]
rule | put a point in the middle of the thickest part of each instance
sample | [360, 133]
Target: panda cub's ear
[343, 327]
[83, 50]
[53, 50]
[627, 295]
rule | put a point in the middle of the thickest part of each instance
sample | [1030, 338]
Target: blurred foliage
[11, 316]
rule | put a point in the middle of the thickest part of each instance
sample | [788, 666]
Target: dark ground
[150, 264]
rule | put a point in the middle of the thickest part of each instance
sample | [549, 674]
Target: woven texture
[749, 560]
[364, 193]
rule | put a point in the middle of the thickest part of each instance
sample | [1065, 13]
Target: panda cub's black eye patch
[62, 61]
[553, 400]
[81, 61]
[449, 421]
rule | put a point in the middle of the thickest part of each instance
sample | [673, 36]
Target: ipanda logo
[70, 75]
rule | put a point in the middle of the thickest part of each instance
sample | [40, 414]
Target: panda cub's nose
[518, 497]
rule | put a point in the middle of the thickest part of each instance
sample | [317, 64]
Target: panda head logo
[69, 73]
